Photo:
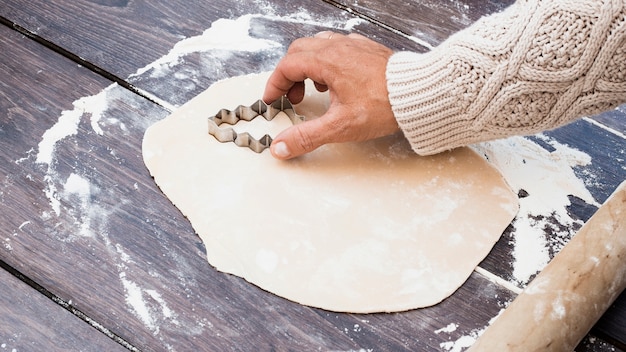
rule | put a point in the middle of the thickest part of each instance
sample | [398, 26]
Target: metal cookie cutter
[247, 113]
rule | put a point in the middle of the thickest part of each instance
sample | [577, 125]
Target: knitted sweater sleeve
[533, 67]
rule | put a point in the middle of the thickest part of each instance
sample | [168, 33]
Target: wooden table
[95, 258]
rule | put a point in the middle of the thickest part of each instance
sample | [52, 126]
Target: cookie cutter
[248, 113]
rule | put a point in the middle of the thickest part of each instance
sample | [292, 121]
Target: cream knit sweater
[535, 66]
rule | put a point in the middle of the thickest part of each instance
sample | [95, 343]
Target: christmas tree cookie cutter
[248, 113]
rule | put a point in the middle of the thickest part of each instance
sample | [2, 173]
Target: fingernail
[281, 150]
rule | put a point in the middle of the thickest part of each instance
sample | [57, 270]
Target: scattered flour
[447, 329]
[134, 298]
[468, 340]
[224, 34]
[66, 126]
[229, 35]
[548, 178]
[458, 345]
[147, 304]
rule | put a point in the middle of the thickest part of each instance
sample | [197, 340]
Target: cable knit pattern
[535, 66]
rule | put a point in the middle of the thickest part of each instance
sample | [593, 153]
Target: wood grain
[127, 258]
[432, 21]
[124, 255]
[120, 37]
[30, 321]
[612, 325]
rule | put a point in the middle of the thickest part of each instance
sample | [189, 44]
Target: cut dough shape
[352, 227]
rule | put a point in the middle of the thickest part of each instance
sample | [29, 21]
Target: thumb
[300, 139]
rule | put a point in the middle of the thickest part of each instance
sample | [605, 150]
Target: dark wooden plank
[614, 119]
[91, 226]
[37, 87]
[594, 344]
[30, 321]
[121, 37]
[431, 21]
[612, 325]
[99, 161]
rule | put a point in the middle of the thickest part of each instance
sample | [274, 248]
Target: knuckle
[297, 45]
[304, 140]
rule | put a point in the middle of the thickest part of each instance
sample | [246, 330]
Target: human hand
[352, 69]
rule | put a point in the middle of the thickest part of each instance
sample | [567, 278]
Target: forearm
[535, 66]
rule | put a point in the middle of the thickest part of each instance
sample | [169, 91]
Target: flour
[7, 244]
[79, 186]
[467, 340]
[147, 304]
[224, 34]
[547, 178]
[79, 189]
[458, 345]
[229, 36]
[558, 308]
[67, 125]
[447, 329]
[4, 346]
[134, 298]
[23, 224]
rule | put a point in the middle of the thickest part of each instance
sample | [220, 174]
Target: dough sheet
[353, 227]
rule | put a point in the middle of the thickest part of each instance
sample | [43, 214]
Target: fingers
[320, 87]
[291, 71]
[296, 92]
[300, 139]
[300, 63]
[352, 68]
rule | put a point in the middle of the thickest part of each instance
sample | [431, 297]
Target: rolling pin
[559, 307]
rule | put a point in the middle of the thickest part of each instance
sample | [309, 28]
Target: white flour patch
[468, 340]
[458, 345]
[224, 34]
[558, 308]
[547, 179]
[134, 298]
[66, 126]
[77, 190]
[79, 186]
[303, 16]
[21, 227]
[231, 35]
[147, 304]
[7, 244]
[447, 329]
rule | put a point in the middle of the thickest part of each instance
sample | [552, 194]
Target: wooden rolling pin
[559, 307]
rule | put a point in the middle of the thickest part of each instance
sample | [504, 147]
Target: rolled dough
[353, 227]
